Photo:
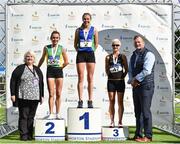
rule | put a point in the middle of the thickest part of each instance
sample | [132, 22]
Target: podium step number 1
[84, 124]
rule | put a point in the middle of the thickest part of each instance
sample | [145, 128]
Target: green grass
[158, 137]
[177, 112]
[178, 96]
[2, 114]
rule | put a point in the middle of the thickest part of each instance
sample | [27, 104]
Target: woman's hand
[42, 100]
[13, 98]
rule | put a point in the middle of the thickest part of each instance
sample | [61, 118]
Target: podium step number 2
[51, 130]
[84, 124]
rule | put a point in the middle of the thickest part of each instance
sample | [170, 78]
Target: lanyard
[32, 71]
[85, 34]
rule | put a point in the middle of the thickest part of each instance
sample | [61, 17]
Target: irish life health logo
[107, 16]
[35, 40]
[17, 29]
[107, 39]
[52, 27]
[71, 16]
[70, 39]
[35, 16]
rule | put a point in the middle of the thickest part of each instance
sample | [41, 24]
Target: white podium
[84, 124]
[50, 130]
[111, 134]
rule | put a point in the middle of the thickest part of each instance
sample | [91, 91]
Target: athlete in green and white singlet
[54, 58]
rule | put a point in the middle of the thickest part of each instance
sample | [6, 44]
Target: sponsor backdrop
[29, 28]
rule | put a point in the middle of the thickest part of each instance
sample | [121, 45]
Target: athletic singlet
[54, 58]
[116, 67]
[86, 40]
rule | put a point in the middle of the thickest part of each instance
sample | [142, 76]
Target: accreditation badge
[36, 82]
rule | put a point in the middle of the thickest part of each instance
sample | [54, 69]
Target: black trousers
[142, 98]
[27, 111]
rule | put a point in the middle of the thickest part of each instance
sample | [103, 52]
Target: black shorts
[54, 72]
[116, 85]
[87, 57]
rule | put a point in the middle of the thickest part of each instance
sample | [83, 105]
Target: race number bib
[115, 68]
[85, 44]
[53, 61]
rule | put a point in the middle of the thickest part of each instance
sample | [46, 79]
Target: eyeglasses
[115, 45]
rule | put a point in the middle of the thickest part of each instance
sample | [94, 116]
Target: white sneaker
[112, 125]
[58, 116]
[50, 117]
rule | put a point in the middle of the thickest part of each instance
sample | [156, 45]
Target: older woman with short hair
[116, 69]
[27, 89]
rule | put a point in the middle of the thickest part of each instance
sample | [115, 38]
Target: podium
[50, 130]
[84, 124]
[111, 134]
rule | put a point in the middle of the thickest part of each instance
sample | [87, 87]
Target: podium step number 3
[51, 130]
[84, 124]
[115, 133]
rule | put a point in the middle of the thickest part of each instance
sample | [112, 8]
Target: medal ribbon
[115, 60]
[54, 53]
